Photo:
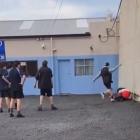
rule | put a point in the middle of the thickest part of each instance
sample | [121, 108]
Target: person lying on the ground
[123, 94]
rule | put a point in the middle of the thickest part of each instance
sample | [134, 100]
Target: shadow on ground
[83, 117]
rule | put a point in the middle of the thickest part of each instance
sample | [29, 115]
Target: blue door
[64, 76]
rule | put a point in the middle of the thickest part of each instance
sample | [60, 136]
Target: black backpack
[105, 73]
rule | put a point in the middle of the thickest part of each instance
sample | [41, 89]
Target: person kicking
[106, 75]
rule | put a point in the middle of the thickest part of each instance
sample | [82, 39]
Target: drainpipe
[52, 63]
[51, 40]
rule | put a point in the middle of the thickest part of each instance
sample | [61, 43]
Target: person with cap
[106, 75]
[44, 81]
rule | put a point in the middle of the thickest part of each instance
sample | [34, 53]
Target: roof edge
[86, 34]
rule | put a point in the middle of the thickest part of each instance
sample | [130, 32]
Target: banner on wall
[2, 51]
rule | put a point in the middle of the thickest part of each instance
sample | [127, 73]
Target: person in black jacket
[17, 80]
[106, 75]
[44, 79]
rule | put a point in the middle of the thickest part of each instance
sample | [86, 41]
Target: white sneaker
[112, 100]
[102, 95]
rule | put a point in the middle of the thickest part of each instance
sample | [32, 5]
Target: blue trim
[79, 84]
[2, 50]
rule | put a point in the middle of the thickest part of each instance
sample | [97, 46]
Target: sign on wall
[2, 51]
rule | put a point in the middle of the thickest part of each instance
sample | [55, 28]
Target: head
[9, 65]
[16, 64]
[45, 63]
[107, 64]
[3, 64]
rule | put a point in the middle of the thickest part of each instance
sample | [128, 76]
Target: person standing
[4, 86]
[44, 80]
[106, 75]
[17, 80]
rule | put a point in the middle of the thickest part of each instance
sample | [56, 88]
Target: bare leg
[7, 102]
[50, 99]
[51, 105]
[110, 93]
[19, 115]
[1, 100]
[11, 107]
[18, 105]
[41, 98]
[12, 103]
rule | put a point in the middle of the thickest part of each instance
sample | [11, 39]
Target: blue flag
[2, 51]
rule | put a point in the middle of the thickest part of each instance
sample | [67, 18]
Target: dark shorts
[2, 94]
[5, 93]
[46, 91]
[108, 85]
[17, 94]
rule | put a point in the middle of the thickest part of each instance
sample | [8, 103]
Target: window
[28, 67]
[83, 67]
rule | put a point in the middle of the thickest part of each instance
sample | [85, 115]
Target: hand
[9, 85]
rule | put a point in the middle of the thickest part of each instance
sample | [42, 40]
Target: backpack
[106, 74]
[105, 71]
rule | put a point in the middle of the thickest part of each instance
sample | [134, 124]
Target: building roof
[44, 28]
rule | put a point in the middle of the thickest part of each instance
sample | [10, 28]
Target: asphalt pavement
[79, 117]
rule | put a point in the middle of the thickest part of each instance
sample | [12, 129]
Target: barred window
[83, 67]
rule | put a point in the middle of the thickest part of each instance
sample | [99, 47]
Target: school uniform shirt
[15, 79]
[3, 84]
[44, 77]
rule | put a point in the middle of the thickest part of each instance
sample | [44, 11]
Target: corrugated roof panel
[26, 25]
[42, 27]
[82, 23]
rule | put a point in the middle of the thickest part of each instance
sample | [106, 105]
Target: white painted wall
[129, 51]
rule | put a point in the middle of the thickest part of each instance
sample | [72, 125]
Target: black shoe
[8, 110]
[40, 108]
[20, 115]
[11, 115]
[54, 108]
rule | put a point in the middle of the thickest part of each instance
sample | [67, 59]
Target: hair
[9, 65]
[2, 64]
[45, 63]
[16, 63]
[107, 64]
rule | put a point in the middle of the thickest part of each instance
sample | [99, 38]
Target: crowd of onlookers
[11, 86]
[12, 79]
